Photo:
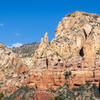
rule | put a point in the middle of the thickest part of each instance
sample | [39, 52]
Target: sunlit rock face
[77, 40]
[12, 70]
[10, 59]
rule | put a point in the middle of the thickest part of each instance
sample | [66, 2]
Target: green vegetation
[24, 94]
[67, 74]
[57, 98]
[86, 92]
[1, 96]
[51, 90]
[96, 91]
[26, 50]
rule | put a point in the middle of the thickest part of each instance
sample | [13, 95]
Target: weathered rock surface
[10, 59]
[11, 67]
[77, 39]
[79, 78]
[45, 79]
[14, 74]
[43, 95]
[76, 47]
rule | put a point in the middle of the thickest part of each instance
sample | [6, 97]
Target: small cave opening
[81, 52]
[77, 84]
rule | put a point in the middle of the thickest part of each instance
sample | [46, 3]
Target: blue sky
[26, 21]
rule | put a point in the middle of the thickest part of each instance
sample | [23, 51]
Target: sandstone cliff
[75, 48]
[10, 59]
[11, 67]
[77, 40]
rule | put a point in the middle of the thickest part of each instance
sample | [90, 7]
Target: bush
[67, 74]
[1, 96]
[96, 91]
[23, 92]
[51, 90]
[58, 98]
[86, 92]
[88, 84]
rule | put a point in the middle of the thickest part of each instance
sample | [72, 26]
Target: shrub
[51, 90]
[96, 91]
[88, 84]
[23, 92]
[58, 98]
[1, 96]
[67, 74]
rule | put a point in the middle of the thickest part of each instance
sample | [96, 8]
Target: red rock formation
[43, 95]
[49, 79]
[79, 78]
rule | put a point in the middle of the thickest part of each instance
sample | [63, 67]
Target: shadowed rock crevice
[81, 52]
[85, 33]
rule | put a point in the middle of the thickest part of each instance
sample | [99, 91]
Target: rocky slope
[26, 52]
[11, 67]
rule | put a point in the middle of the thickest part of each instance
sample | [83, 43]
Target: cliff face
[11, 68]
[76, 41]
[8, 59]
[75, 48]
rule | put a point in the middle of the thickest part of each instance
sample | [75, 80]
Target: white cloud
[1, 25]
[16, 45]
[17, 33]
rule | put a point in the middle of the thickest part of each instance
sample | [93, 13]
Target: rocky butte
[75, 49]
[77, 40]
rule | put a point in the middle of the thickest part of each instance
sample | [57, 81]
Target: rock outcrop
[43, 95]
[76, 47]
[10, 59]
[43, 79]
[11, 67]
[76, 41]
[80, 78]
